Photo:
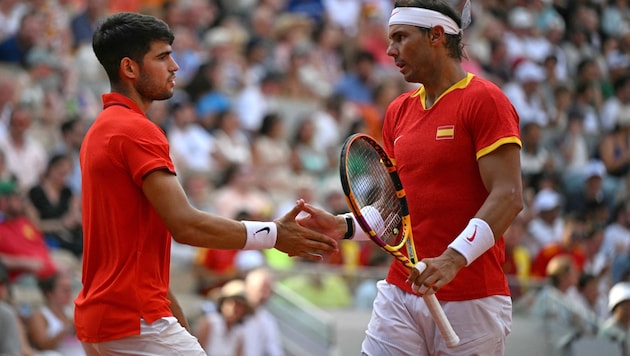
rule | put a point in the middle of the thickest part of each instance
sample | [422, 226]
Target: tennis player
[132, 203]
[455, 141]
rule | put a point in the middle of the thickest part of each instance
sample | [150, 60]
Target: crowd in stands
[267, 90]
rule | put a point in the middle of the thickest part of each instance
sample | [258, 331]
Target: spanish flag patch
[445, 132]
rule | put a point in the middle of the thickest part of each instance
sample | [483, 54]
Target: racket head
[374, 192]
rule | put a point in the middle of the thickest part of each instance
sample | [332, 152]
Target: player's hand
[439, 272]
[323, 222]
[296, 240]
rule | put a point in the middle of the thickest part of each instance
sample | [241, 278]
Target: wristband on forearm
[260, 235]
[353, 229]
[474, 240]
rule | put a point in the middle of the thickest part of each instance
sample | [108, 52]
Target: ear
[437, 34]
[128, 68]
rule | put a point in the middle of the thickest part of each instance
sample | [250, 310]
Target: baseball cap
[546, 200]
[8, 188]
[528, 71]
[595, 169]
[618, 293]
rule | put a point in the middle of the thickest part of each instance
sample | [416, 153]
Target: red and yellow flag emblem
[445, 132]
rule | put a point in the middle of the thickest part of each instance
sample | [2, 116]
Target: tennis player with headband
[455, 141]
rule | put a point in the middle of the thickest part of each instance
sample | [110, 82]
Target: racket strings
[374, 191]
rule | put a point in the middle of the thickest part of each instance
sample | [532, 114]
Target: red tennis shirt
[126, 254]
[436, 152]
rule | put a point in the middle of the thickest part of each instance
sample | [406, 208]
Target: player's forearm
[205, 230]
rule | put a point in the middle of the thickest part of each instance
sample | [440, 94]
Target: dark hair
[47, 285]
[453, 42]
[130, 35]
[54, 160]
[268, 122]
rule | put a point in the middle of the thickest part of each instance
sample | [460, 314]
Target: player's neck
[447, 77]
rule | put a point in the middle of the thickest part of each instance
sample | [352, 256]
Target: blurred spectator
[204, 91]
[13, 339]
[256, 100]
[618, 106]
[84, 23]
[536, 160]
[261, 327]
[22, 246]
[191, 146]
[518, 261]
[220, 332]
[72, 133]
[562, 319]
[571, 244]
[591, 195]
[270, 155]
[617, 327]
[590, 297]
[50, 326]
[231, 143]
[240, 193]
[547, 226]
[15, 48]
[617, 232]
[25, 157]
[57, 211]
[313, 158]
[359, 79]
[526, 95]
[614, 151]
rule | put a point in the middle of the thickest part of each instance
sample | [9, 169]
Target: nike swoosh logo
[266, 229]
[397, 138]
[472, 238]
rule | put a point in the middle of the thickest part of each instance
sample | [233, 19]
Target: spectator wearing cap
[522, 38]
[547, 226]
[525, 93]
[617, 327]
[570, 244]
[591, 198]
[556, 307]
[220, 332]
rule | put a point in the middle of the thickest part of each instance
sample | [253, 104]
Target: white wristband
[260, 235]
[474, 240]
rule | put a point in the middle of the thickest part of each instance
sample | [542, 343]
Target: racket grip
[446, 329]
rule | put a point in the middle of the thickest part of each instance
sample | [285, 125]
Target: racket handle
[450, 337]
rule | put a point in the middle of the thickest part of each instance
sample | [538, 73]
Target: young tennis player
[133, 203]
[455, 141]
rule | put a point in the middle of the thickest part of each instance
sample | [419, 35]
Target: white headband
[426, 18]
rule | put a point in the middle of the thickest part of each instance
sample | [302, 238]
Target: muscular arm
[501, 174]
[197, 228]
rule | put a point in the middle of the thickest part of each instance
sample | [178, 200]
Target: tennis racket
[377, 200]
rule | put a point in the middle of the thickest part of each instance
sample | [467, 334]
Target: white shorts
[402, 325]
[165, 336]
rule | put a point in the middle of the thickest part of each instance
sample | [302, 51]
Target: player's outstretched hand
[323, 222]
[297, 240]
